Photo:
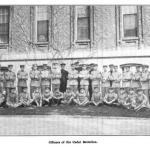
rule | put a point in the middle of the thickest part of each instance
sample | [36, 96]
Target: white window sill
[130, 38]
[83, 41]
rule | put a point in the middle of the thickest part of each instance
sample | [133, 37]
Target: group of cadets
[80, 86]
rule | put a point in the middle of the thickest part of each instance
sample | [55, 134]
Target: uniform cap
[25, 87]
[54, 64]
[22, 65]
[96, 87]
[139, 89]
[115, 66]
[92, 64]
[138, 66]
[12, 87]
[111, 65]
[131, 89]
[44, 64]
[62, 64]
[122, 88]
[34, 65]
[10, 65]
[145, 66]
[105, 66]
[82, 87]
[111, 88]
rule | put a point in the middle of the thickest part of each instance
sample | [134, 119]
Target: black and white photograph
[72, 70]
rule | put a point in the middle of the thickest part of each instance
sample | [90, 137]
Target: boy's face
[37, 90]
[116, 68]
[95, 67]
[25, 90]
[22, 68]
[47, 90]
[10, 68]
[105, 68]
[96, 90]
[13, 90]
[81, 90]
[145, 69]
[84, 67]
[34, 67]
[57, 90]
[44, 67]
[73, 66]
[137, 68]
[68, 90]
[122, 90]
[111, 90]
[128, 68]
[131, 91]
[140, 92]
[62, 66]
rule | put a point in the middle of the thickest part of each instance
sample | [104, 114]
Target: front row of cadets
[133, 100]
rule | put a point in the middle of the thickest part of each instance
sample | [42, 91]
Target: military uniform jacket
[47, 95]
[58, 95]
[37, 96]
[117, 79]
[24, 97]
[81, 97]
[140, 99]
[12, 98]
[84, 76]
[68, 96]
[105, 81]
[96, 97]
[110, 96]
[35, 78]
[136, 80]
[45, 77]
[22, 78]
[95, 77]
[10, 78]
[56, 75]
[145, 80]
[1, 78]
[122, 96]
[131, 97]
[73, 77]
[126, 79]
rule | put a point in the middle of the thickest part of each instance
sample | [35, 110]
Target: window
[4, 25]
[130, 21]
[83, 23]
[42, 24]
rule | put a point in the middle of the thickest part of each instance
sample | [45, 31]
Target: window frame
[9, 24]
[36, 40]
[76, 27]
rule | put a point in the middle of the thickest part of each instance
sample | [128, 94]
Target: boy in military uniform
[84, 78]
[64, 78]
[96, 99]
[82, 98]
[105, 81]
[110, 77]
[116, 79]
[10, 77]
[35, 76]
[56, 75]
[141, 101]
[136, 78]
[12, 98]
[47, 97]
[130, 100]
[57, 96]
[73, 79]
[1, 80]
[126, 78]
[111, 97]
[145, 77]
[24, 97]
[69, 96]
[45, 78]
[95, 77]
[37, 97]
[22, 78]
[122, 96]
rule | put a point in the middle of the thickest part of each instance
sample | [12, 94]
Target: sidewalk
[72, 125]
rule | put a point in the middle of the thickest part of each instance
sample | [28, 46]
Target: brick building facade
[101, 34]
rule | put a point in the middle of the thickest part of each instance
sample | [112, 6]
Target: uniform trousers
[20, 89]
[104, 91]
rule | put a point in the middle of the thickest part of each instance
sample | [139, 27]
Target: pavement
[72, 125]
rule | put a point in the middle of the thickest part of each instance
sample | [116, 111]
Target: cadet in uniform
[35, 79]
[73, 79]
[56, 75]
[24, 97]
[95, 77]
[105, 81]
[84, 78]
[145, 76]
[64, 78]
[116, 79]
[122, 96]
[126, 78]
[22, 78]
[10, 77]
[45, 78]
[1, 80]
[110, 77]
[136, 78]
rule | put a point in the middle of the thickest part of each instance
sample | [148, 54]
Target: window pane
[42, 13]
[42, 31]
[83, 11]
[4, 24]
[130, 25]
[129, 9]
